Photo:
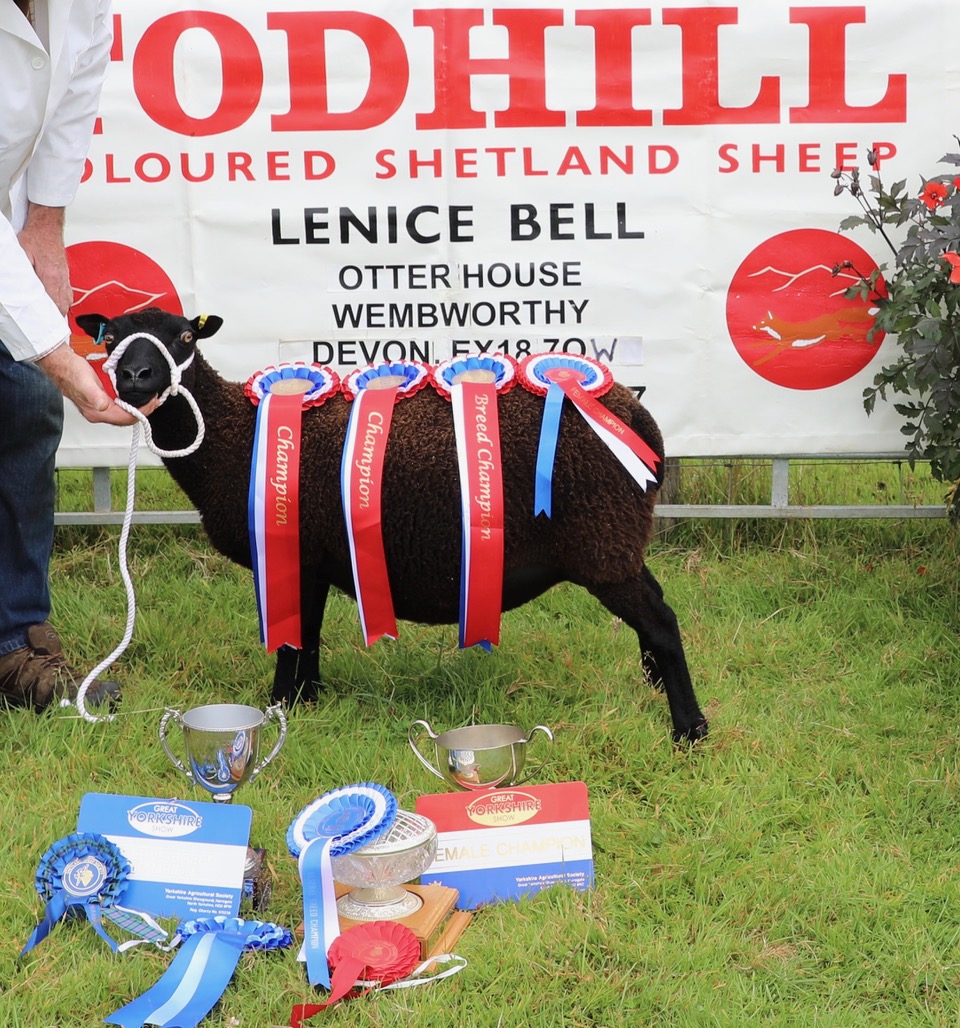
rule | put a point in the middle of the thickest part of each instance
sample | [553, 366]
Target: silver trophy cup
[478, 756]
[222, 744]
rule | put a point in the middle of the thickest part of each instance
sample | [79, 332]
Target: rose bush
[918, 301]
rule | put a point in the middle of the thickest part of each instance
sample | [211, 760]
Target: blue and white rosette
[339, 822]
[200, 972]
[80, 873]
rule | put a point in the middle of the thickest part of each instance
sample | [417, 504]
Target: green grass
[798, 867]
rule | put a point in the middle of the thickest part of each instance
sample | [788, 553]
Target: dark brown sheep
[597, 536]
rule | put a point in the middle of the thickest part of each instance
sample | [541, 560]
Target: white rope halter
[174, 389]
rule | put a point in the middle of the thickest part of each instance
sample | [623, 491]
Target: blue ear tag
[99, 339]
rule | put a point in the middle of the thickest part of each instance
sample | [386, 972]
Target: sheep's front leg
[297, 675]
[641, 605]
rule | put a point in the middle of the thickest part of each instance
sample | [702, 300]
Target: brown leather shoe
[37, 675]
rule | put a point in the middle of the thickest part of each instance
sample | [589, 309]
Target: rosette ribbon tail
[547, 450]
[321, 924]
[274, 519]
[54, 912]
[190, 987]
[481, 501]
[637, 458]
[361, 474]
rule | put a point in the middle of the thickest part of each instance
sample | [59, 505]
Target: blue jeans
[31, 423]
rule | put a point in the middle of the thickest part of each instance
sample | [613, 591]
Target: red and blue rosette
[80, 873]
[280, 395]
[201, 970]
[472, 385]
[374, 391]
[580, 380]
[339, 822]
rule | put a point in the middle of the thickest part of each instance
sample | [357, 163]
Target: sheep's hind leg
[641, 605]
[297, 675]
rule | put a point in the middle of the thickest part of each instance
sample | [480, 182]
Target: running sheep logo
[113, 277]
[788, 318]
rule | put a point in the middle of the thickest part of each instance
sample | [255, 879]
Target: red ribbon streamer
[481, 492]
[595, 410]
[370, 419]
[281, 522]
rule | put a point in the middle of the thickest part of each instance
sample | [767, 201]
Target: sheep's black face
[143, 372]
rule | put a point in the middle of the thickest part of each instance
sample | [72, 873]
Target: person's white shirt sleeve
[31, 325]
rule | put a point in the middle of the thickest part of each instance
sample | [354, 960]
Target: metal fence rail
[778, 507]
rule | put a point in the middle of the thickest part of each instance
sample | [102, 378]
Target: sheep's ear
[92, 324]
[206, 325]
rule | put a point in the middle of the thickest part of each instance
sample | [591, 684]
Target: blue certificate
[187, 859]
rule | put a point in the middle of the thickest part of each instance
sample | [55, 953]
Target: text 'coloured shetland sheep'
[597, 536]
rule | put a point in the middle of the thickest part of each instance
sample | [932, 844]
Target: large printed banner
[647, 185]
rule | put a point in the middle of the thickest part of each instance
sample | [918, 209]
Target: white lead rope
[175, 388]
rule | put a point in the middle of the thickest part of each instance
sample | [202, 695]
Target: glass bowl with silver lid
[376, 872]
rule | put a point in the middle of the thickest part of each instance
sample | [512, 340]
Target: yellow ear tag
[201, 322]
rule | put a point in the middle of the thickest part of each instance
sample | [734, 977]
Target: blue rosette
[338, 822]
[409, 377]
[502, 366]
[351, 816]
[82, 874]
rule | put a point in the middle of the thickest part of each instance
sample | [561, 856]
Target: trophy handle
[546, 731]
[413, 736]
[269, 714]
[177, 763]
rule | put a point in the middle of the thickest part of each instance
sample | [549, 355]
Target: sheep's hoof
[697, 731]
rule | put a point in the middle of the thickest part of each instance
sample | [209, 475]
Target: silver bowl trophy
[377, 871]
[478, 756]
[222, 745]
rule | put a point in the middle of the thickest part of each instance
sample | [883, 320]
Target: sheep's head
[142, 371]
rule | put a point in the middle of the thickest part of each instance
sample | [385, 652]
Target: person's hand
[78, 382]
[42, 241]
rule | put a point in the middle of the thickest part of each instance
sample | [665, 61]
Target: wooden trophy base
[437, 925]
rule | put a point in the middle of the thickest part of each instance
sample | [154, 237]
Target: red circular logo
[788, 317]
[112, 279]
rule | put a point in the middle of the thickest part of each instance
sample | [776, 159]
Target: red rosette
[375, 952]
[316, 382]
[540, 369]
[409, 377]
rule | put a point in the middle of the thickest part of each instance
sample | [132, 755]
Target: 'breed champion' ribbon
[472, 386]
[373, 392]
[340, 821]
[83, 872]
[200, 972]
[280, 395]
[580, 380]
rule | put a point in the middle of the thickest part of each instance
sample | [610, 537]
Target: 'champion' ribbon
[340, 821]
[200, 972]
[84, 872]
[580, 380]
[280, 394]
[472, 386]
[373, 391]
